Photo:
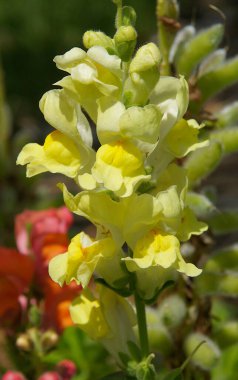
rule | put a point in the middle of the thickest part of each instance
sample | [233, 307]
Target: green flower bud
[172, 310]
[159, 336]
[207, 355]
[147, 57]
[92, 38]
[125, 41]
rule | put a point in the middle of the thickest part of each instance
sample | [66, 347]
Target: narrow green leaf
[118, 376]
[202, 162]
[175, 374]
[198, 48]
[134, 351]
[227, 367]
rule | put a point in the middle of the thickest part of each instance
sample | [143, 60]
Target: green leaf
[134, 351]
[202, 162]
[228, 138]
[89, 356]
[198, 48]
[124, 358]
[166, 285]
[224, 222]
[215, 81]
[227, 367]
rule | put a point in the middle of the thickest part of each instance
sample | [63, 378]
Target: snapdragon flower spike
[130, 188]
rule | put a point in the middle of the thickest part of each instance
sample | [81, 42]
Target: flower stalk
[142, 325]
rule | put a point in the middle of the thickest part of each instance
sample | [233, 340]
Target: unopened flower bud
[24, 343]
[207, 354]
[67, 369]
[147, 57]
[125, 41]
[159, 336]
[49, 339]
[52, 375]
[13, 375]
[92, 38]
[172, 310]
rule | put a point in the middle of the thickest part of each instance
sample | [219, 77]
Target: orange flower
[16, 273]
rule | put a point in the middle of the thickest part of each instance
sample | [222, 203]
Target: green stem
[119, 14]
[142, 326]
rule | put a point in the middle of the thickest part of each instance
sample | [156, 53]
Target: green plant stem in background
[167, 15]
[119, 13]
[142, 325]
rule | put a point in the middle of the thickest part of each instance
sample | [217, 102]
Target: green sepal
[166, 285]
[128, 16]
[126, 292]
[198, 48]
[124, 358]
[144, 370]
[134, 350]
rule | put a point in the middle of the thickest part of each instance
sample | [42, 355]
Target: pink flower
[13, 375]
[67, 369]
[44, 235]
[52, 375]
[31, 227]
